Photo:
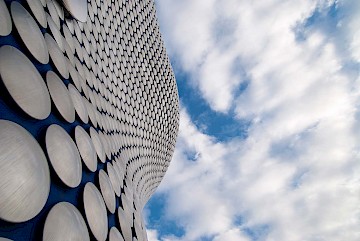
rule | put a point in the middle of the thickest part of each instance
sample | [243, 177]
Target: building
[89, 116]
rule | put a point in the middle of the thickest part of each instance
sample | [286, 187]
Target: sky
[269, 139]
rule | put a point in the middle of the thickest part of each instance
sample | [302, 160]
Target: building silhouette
[89, 115]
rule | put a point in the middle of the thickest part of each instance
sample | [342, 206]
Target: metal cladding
[89, 116]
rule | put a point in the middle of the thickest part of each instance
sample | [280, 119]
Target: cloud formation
[296, 176]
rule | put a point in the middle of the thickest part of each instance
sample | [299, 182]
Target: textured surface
[64, 222]
[95, 211]
[123, 90]
[24, 83]
[24, 174]
[60, 96]
[63, 155]
[77, 8]
[29, 32]
[115, 235]
[86, 148]
[5, 19]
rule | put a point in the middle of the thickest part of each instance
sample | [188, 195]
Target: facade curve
[111, 69]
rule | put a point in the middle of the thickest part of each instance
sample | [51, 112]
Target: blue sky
[268, 147]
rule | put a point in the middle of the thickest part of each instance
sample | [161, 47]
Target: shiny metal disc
[74, 76]
[53, 12]
[64, 222]
[38, 11]
[86, 148]
[91, 112]
[5, 19]
[24, 83]
[79, 104]
[95, 211]
[97, 144]
[115, 182]
[115, 235]
[59, 10]
[29, 32]
[77, 8]
[125, 224]
[24, 174]
[55, 31]
[64, 155]
[5, 239]
[60, 96]
[107, 191]
[57, 56]
[69, 38]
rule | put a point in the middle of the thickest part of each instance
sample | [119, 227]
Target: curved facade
[89, 116]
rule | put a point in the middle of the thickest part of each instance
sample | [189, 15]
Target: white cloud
[152, 235]
[297, 174]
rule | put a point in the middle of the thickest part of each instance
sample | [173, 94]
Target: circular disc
[59, 10]
[107, 191]
[60, 96]
[64, 222]
[5, 239]
[74, 76]
[90, 110]
[53, 12]
[77, 8]
[38, 11]
[86, 148]
[115, 235]
[78, 104]
[115, 182]
[29, 32]
[63, 155]
[125, 221]
[97, 144]
[95, 211]
[24, 83]
[55, 32]
[5, 19]
[57, 56]
[24, 174]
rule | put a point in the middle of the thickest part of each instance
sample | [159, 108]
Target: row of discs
[110, 76]
[26, 159]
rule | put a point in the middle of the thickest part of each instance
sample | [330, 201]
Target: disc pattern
[117, 75]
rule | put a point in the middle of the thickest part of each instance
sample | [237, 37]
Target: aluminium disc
[29, 32]
[55, 32]
[97, 144]
[77, 8]
[125, 222]
[114, 179]
[115, 235]
[65, 222]
[78, 104]
[5, 20]
[24, 174]
[64, 155]
[86, 148]
[107, 191]
[57, 56]
[38, 11]
[60, 96]
[24, 83]
[95, 211]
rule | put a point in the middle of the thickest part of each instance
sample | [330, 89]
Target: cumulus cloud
[296, 176]
[152, 235]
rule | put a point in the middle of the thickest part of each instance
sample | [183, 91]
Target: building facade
[89, 114]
